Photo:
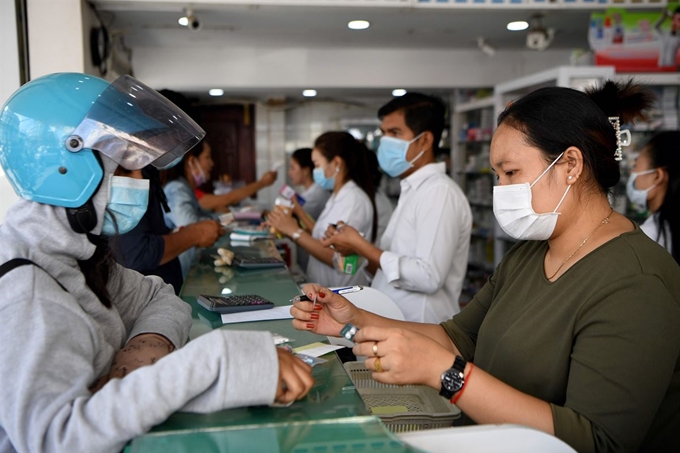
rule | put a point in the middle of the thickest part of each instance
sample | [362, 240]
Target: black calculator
[251, 262]
[234, 304]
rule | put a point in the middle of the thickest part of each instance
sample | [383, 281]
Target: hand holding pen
[340, 290]
[323, 311]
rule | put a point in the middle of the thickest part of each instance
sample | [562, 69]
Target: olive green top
[601, 344]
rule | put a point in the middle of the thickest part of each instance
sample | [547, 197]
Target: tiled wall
[280, 131]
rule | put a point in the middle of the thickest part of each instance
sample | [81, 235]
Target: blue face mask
[128, 200]
[322, 180]
[392, 155]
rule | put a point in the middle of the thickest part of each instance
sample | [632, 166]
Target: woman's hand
[327, 316]
[295, 378]
[344, 239]
[297, 209]
[405, 356]
[283, 223]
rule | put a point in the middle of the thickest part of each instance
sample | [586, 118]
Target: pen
[342, 290]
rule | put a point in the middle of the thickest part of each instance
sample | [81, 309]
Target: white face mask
[515, 213]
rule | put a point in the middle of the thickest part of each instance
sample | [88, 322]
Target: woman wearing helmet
[78, 328]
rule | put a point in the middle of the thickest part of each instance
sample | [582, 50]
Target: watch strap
[457, 367]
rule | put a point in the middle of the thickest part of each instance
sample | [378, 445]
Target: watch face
[452, 380]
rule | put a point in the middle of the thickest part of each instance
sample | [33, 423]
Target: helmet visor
[135, 126]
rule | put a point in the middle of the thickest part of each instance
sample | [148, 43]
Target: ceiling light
[183, 21]
[359, 24]
[216, 92]
[309, 93]
[518, 25]
[398, 92]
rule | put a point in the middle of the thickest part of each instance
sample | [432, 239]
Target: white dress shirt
[384, 207]
[426, 247]
[315, 200]
[352, 206]
[651, 229]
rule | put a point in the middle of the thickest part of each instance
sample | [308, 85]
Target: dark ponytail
[355, 156]
[663, 150]
[555, 118]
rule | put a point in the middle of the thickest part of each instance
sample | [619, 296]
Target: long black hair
[663, 150]
[354, 154]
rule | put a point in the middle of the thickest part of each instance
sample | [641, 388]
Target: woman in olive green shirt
[577, 332]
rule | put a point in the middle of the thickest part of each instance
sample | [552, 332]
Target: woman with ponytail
[341, 165]
[654, 186]
[576, 331]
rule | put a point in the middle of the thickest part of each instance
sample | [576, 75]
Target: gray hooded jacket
[54, 344]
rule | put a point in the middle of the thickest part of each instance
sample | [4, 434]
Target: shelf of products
[472, 127]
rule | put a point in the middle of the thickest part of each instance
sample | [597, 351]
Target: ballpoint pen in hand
[342, 290]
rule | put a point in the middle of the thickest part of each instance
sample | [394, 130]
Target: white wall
[55, 36]
[336, 68]
[9, 82]
[307, 121]
[270, 135]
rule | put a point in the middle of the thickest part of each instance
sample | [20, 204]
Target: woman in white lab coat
[341, 165]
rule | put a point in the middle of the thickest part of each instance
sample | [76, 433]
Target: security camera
[194, 23]
[538, 37]
[190, 21]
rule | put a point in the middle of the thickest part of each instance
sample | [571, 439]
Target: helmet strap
[82, 219]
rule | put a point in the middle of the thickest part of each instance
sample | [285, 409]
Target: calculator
[250, 262]
[234, 304]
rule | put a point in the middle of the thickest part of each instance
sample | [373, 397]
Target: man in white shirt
[422, 257]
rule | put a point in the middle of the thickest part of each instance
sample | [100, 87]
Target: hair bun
[628, 100]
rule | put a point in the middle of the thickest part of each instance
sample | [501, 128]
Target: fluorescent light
[359, 24]
[183, 21]
[518, 25]
[398, 92]
[216, 92]
[309, 93]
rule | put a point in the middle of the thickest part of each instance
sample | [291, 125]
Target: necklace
[604, 222]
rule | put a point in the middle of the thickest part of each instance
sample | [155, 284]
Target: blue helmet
[51, 127]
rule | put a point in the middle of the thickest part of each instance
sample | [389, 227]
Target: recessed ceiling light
[359, 24]
[216, 92]
[309, 93]
[518, 25]
[183, 21]
[398, 92]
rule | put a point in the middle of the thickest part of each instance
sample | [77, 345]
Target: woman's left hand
[404, 356]
[283, 223]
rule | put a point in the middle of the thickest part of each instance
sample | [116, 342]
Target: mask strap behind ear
[546, 170]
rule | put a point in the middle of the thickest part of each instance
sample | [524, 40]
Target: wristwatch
[297, 235]
[453, 379]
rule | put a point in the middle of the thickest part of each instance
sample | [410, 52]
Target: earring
[570, 177]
